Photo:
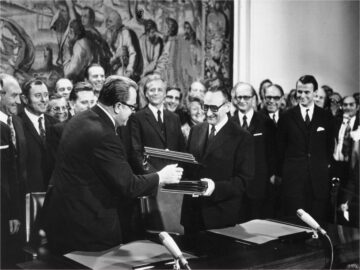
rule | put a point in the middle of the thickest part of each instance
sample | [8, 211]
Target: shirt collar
[33, 117]
[107, 113]
[249, 116]
[310, 108]
[3, 117]
[155, 110]
[220, 125]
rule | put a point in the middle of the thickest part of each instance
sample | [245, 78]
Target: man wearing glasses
[273, 95]
[226, 154]
[305, 145]
[92, 179]
[263, 131]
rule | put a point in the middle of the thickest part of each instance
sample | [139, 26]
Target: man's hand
[275, 180]
[211, 186]
[170, 174]
[14, 225]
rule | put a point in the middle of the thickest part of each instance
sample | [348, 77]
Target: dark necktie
[212, 134]
[307, 118]
[346, 147]
[12, 130]
[245, 124]
[41, 129]
[273, 118]
[159, 120]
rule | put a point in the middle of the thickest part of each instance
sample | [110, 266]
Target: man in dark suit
[35, 97]
[9, 102]
[92, 176]
[305, 142]
[272, 102]
[10, 216]
[154, 126]
[226, 154]
[263, 131]
[343, 143]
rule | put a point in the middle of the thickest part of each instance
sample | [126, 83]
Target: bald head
[10, 94]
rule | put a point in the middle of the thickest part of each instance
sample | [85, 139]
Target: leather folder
[186, 187]
[169, 155]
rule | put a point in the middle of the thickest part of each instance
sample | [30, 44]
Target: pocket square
[4, 147]
[320, 129]
[257, 134]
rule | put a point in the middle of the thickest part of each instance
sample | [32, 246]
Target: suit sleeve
[244, 169]
[115, 171]
[137, 145]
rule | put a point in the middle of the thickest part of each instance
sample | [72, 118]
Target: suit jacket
[263, 131]
[229, 161]
[145, 131]
[304, 153]
[20, 152]
[38, 162]
[9, 185]
[90, 179]
[54, 135]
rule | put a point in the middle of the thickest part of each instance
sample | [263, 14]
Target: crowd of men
[260, 159]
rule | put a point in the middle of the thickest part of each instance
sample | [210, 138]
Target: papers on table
[259, 231]
[128, 256]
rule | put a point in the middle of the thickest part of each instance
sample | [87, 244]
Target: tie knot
[213, 129]
[244, 117]
[9, 120]
[40, 119]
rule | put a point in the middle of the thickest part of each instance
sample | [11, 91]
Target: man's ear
[117, 107]
[24, 99]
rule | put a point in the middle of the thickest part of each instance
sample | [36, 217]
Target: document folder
[260, 231]
[170, 155]
[186, 187]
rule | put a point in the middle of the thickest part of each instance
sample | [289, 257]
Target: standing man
[343, 143]
[35, 97]
[226, 153]
[95, 75]
[92, 176]
[305, 145]
[156, 127]
[272, 102]
[263, 131]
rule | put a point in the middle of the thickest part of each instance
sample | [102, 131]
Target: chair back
[33, 203]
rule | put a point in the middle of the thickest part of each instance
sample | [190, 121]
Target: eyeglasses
[246, 98]
[212, 108]
[132, 107]
[269, 98]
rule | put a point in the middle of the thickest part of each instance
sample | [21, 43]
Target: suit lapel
[199, 141]
[30, 127]
[221, 137]
[151, 119]
[315, 121]
[299, 120]
[253, 124]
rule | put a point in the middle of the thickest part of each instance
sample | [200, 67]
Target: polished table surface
[220, 252]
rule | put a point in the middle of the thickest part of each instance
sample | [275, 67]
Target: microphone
[173, 248]
[310, 221]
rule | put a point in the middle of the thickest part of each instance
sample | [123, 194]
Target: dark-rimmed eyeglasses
[212, 108]
[246, 98]
[269, 98]
[132, 107]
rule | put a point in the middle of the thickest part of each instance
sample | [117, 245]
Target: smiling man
[173, 98]
[93, 179]
[305, 145]
[35, 97]
[226, 154]
[257, 199]
[156, 127]
[273, 94]
[95, 75]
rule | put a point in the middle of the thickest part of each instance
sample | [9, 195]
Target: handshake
[172, 174]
